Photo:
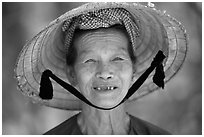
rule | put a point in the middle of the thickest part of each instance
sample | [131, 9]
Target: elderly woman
[103, 54]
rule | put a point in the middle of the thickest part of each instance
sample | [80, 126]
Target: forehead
[110, 38]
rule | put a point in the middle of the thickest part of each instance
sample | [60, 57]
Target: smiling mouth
[105, 88]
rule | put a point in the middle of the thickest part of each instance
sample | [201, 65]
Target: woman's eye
[118, 59]
[90, 61]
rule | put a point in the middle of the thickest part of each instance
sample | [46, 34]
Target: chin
[107, 103]
[106, 99]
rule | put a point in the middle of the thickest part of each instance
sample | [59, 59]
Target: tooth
[105, 88]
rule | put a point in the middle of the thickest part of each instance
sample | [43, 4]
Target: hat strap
[46, 89]
[158, 77]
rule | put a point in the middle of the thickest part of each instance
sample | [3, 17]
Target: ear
[71, 76]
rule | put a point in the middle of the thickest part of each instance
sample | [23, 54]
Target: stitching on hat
[100, 18]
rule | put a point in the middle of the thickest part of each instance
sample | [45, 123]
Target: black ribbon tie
[46, 89]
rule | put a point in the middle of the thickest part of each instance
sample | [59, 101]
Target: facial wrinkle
[100, 35]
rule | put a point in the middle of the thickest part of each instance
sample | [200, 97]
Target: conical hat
[158, 31]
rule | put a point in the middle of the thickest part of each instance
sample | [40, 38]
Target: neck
[95, 121]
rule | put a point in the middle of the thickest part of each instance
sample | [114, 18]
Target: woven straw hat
[158, 31]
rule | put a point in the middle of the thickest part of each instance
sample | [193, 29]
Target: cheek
[125, 72]
[124, 68]
[84, 75]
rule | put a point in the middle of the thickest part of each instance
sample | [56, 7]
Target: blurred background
[177, 109]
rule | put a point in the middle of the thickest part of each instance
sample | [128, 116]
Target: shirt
[137, 127]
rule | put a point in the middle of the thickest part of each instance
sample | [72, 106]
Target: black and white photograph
[102, 68]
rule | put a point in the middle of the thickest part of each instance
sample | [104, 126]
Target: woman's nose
[104, 72]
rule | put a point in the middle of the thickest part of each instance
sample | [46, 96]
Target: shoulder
[68, 127]
[142, 127]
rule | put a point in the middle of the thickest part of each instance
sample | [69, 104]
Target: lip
[105, 88]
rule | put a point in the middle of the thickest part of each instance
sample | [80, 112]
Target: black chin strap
[46, 89]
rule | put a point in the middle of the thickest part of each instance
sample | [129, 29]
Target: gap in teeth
[107, 88]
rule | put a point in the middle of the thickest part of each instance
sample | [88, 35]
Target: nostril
[109, 77]
[104, 75]
[104, 71]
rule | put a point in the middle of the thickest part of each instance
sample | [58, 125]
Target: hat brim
[159, 31]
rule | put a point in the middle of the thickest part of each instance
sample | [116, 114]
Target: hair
[72, 51]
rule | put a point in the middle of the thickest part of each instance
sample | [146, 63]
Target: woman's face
[103, 69]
